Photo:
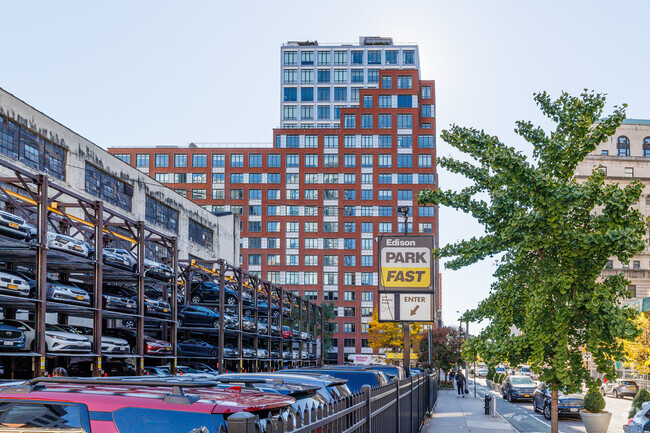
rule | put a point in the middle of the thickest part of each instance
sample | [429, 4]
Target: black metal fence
[400, 407]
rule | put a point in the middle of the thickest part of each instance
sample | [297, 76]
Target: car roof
[101, 397]
[324, 379]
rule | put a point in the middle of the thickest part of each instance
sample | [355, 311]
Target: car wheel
[602, 391]
[615, 394]
[231, 300]
[547, 411]
[213, 353]
[196, 299]
[129, 324]
[215, 324]
[180, 322]
[275, 313]
[510, 398]
[134, 350]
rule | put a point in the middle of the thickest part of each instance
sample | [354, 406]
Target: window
[374, 57]
[366, 141]
[163, 177]
[385, 211]
[330, 210]
[273, 276]
[330, 278]
[366, 244]
[349, 121]
[349, 194]
[236, 160]
[349, 211]
[323, 57]
[290, 94]
[330, 243]
[311, 260]
[404, 121]
[357, 75]
[199, 160]
[311, 160]
[202, 177]
[340, 76]
[405, 178]
[323, 94]
[218, 160]
[323, 112]
[142, 161]
[385, 141]
[629, 171]
[385, 227]
[293, 178]
[366, 210]
[340, 57]
[306, 57]
[426, 179]
[400, 227]
[373, 75]
[217, 194]
[623, 146]
[290, 58]
[349, 244]
[254, 242]
[404, 82]
[357, 57]
[311, 243]
[425, 141]
[341, 94]
[391, 57]
[254, 259]
[306, 76]
[426, 110]
[366, 121]
[236, 194]
[386, 82]
[350, 141]
[293, 226]
[236, 177]
[384, 121]
[330, 260]
[426, 92]
[404, 101]
[272, 226]
[424, 160]
[108, 188]
[331, 194]
[273, 178]
[255, 210]
[405, 194]
[254, 194]
[290, 112]
[366, 260]
[330, 161]
[123, 156]
[160, 214]
[404, 161]
[273, 194]
[311, 194]
[349, 328]
[182, 178]
[311, 278]
[273, 259]
[366, 278]
[366, 194]
[200, 234]
[426, 211]
[311, 178]
[180, 160]
[425, 227]
[331, 141]
[646, 147]
[366, 178]
[404, 141]
[274, 160]
[385, 194]
[349, 227]
[349, 160]
[386, 160]
[306, 113]
[330, 227]
[366, 227]
[409, 57]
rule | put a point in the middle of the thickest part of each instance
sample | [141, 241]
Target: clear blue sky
[173, 72]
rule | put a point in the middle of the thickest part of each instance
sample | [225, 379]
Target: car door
[192, 347]
[539, 396]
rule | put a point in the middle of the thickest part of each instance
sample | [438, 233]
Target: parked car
[13, 284]
[568, 404]
[139, 405]
[110, 345]
[275, 353]
[111, 368]
[263, 309]
[248, 351]
[525, 370]
[153, 306]
[114, 299]
[518, 388]
[196, 315]
[119, 258]
[482, 371]
[304, 336]
[208, 292]
[67, 293]
[286, 332]
[620, 388]
[287, 354]
[197, 347]
[275, 329]
[56, 340]
[248, 324]
[640, 423]
[262, 353]
[11, 338]
[152, 346]
[356, 378]
[262, 328]
[158, 270]
[14, 226]
[67, 244]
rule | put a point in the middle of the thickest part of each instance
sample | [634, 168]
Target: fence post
[398, 409]
[365, 389]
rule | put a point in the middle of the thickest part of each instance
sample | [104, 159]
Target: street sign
[405, 307]
[406, 264]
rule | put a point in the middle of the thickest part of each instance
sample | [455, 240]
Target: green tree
[328, 316]
[554, 235]
[446, 342]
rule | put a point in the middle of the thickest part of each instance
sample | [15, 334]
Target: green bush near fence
[490, 374]
[641, 397]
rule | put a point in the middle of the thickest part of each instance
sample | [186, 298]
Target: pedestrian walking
[460, 383]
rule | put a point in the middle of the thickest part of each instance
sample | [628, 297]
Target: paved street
[522, 417]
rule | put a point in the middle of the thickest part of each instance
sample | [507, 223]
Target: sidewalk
[455, 414]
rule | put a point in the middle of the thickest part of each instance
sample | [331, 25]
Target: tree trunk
[554, 417]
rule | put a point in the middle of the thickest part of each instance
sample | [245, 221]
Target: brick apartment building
[357, 140]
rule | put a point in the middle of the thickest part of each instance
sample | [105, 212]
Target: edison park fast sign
[406, 278]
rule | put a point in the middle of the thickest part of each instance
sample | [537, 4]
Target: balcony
[628, 273]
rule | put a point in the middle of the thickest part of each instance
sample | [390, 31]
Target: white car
[482, 371]
[68, 244]
[295, 355]
[109, 344]
[13, 284]
[14, 226]
[56, 339]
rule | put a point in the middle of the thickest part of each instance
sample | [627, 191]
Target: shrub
[641, 397]
[502, 376]
[490, 374]
[594, 402]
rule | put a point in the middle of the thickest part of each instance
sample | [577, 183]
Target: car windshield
[522, 381]
[43, 416]
[628, 382]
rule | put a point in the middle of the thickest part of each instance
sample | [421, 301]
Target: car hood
[575, 396]
[66, 335]
[114, 340]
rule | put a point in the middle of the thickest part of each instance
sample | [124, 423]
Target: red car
[110, 406]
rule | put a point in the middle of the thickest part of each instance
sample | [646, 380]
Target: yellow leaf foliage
[638, 351]
[390, 335]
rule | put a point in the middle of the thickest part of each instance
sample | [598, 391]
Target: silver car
[109, 344]
[56, 339]
[68, 244]
[66, 293]
[13, 285]
[14, 226]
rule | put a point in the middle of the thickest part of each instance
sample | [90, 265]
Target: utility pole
[404, 210]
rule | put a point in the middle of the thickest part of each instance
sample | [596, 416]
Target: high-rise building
[313, 202]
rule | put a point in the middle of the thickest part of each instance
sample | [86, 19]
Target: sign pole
[407, 327]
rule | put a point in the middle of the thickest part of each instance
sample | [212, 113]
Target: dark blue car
[196, 347]
[195, 315]
[11, 338]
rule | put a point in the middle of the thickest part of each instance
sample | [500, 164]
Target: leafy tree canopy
[446, 343]
[638, 350]
[555, 235]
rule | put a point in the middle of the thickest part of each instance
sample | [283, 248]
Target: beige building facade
[626, 158]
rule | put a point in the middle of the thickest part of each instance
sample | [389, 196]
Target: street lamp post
[404, 210]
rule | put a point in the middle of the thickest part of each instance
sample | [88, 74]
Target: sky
[173, 72]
